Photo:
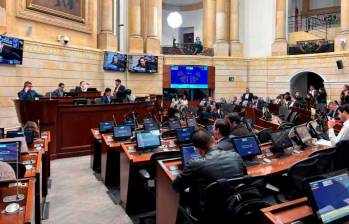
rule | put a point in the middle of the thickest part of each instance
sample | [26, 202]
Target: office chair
[222, 206]
[343, 155]
[284, 112]
[327, 159]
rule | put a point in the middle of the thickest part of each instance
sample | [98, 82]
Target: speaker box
[339, 64]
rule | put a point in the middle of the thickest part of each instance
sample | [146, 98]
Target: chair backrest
[299, 171]
[343, 155]
[222, 195]
[327, 159]
[161, 156]
[284, 112]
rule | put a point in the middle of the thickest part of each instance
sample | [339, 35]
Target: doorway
[303, 80]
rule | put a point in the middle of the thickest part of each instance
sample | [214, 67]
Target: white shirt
[343, 134]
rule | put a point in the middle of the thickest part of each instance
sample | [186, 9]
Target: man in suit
[236, 128]
[221, 132]
[27, 93]
[333, 110]
[107, 97]
[119, 91]
[313, 91]
[213, 165]
[247, 97]
[59, 92]
[82, 87]
[257, 103]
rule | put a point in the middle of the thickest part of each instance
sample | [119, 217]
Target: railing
[317, 25]
[311, 47]
[186, 49]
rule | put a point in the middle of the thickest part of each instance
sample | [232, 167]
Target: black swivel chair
[223, 194]
[343, 155]
[327, 160]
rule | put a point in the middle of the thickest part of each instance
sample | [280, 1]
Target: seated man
[344, 133]
[221, 132]
[59, 92]
[107, 96]
[214, 165]
[27, 93]
[83, 86]
[236, 129]
[257, 103]
[333, 110]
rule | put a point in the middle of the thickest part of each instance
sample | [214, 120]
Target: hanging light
[174, 20]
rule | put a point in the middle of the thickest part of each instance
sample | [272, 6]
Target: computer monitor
[328, 195]
[303, 133]
[188, 153]
[148, 120]
[247, 146]
[280, 140]
[106, 127]
[10, 151]
[122, 132]
[147, 140]
[314, 125]
[28, 134]
[2, 132]
[184, 135]
[131, 123]
[174, 124]
[91, 89]
[150, 126]
[191, 122]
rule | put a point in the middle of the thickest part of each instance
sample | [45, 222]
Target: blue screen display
[28, 134]
[9, 151]
[184, 134]
[247, 146]
[147, 140]
[189, 153]
[105, 127]
[331, 196]
[11, 50]
[174, 124]
[151, 126]
[130, 123]
[122, 131]
[194, 77]
[115, 61]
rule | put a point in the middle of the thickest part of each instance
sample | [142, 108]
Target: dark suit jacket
[105, 99]
[78, 89]
[57, 93]
[241, 131]
[259, 104]
[198, 174]
[333, 115]
[249, 97]
[224, 144]
[121, 92]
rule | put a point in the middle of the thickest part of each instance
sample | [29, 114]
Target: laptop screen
[281, 140]
[28, 134]
[330, 197]
[315, 125]
[184, 134]
[105, 127]
[191, 122]
[303, 133]
[148, 120]
[147, 140]
[9, 151]
[130, 123]
[151, 126]
[189, 153]
[174, 124]
[247, 146]
[122, 132]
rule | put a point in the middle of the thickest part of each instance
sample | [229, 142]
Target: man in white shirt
[344, 133]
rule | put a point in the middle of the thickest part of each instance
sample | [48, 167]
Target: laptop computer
[122, 132]
[106, 127]
[303, 135]
[328, 195]
[184, 135]
[131, 123]
[147, 140]
[191, 122]
[188, 153]
[28, 134]
[248, 148]
[151, 126]
[10, 151]
[281, 141]
[174, 124]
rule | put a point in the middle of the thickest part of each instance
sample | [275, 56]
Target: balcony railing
[186, 49]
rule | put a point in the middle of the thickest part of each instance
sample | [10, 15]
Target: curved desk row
[70, 125]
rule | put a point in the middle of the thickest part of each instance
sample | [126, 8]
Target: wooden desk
[70, 125]
[24, 216]
[273, 124]
[167, 199]
[110, 160]
[130, 163]
[96, 141]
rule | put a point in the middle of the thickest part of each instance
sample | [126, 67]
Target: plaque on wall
[69, 9]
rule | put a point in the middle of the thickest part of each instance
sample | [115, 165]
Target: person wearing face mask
[213, 165]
